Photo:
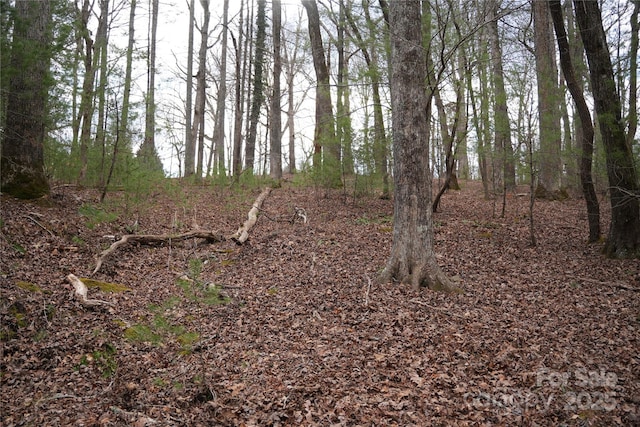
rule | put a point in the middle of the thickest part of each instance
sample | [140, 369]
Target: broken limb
[155, 238]
[242, 234]
[81, 292]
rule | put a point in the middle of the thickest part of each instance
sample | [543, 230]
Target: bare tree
[548, 102]
[123, 132]
[624, 232]
[147, 152]
[503, 147]
[189, 141]
[586, 157]
[197, 128]
[324, 136]
[257, 100]
[218, 130]
[412, 257]
[275, 152]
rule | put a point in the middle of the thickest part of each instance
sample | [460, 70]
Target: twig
[41, 226]
[366, 294]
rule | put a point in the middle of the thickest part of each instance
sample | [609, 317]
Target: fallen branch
[81, 292]
[243, 232]
[40, 225]
[240, 236]
[156, 238]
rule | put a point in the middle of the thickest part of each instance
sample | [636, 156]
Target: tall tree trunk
[22, 161]
[624, 232]
[239, 99]
[147, 152]
[275, 152]
[292, 67]
[548, 103]
[123, 129]
[480, 116]
[197, 129]
[412, 256]
[218, 130]
[633, 73]
[586, 158]
[462, 157]
[75, 107]
[344, 133]
[102, 41]
[189, 141]
[502, 126]
[247, 70]
[324, 135]
[379, 133]
[88, 92]
[257, 100]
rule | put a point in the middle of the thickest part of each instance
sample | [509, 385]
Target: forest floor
[291, 328]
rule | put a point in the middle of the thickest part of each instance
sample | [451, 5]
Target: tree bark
[102, 41]
[197, 129]
[123, 129]
[412, 258]
[344, 131]
[275, 149]
[548, 103]
[189, 142]
[633, 73]
[586, 158]
[218, 131]
[503, 147]
[624, 231]
[88, 93]
[22, 164]
[257, 100]
[147, 153]
[324, 136]
[239, 99]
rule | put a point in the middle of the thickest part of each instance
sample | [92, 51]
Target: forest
[322, 212]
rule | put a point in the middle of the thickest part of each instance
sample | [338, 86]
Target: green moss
[29, 286]
[212, 296]
[142, 333]
[104, 286]
[159, 382]
[18, 311]
[22, 182]
[187, 340]
[105, 360]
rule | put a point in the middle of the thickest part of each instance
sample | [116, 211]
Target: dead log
[157, 238]
[242, 234]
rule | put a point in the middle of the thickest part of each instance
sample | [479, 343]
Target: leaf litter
[299, 332]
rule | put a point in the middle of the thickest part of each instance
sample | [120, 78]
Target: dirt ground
[292, 328]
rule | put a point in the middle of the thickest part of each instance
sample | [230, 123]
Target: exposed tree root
[423, 275]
